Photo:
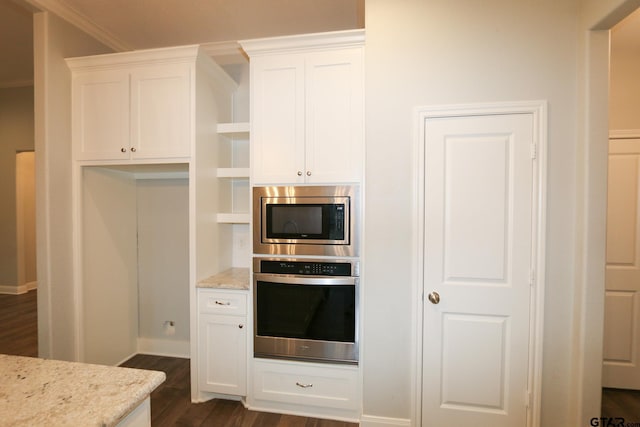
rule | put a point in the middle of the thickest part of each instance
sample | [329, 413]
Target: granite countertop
[233, 278]
[42, 392]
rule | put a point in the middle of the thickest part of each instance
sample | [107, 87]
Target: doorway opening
[620, 370]
[25, 221]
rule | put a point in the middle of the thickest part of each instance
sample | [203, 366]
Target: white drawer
[306, 384]
[222, 302]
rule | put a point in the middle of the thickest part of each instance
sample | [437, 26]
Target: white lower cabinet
[222, 339]
[139, 417]
[314, 389]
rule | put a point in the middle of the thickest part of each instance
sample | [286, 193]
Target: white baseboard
[160, 347]
[373, 421]
[18, 290]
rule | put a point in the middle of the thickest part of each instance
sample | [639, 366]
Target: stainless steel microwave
[306, 220]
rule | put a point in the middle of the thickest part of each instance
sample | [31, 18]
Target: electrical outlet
[169, 327]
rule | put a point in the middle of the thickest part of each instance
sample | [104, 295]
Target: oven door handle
[305, 280]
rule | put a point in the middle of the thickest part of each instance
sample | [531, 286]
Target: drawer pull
[222, 302]
[304, 385]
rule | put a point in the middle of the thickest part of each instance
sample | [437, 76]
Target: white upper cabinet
[160, 101]
[307, 108]
[133, 105]
[100, 110]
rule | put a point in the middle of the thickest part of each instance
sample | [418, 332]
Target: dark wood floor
[19, 320]
[171, 402]
[625, 404]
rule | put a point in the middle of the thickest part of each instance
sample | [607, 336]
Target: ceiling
[141, 24]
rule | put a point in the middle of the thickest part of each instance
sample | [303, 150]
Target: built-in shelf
[230, 128]
[232, 173]
[151, 171]
[241, 130]
[161, 175]
[233, 218]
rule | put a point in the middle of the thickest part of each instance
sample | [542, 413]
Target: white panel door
[161, 109]
[334, 114]
[223, 354]
[101, 115]
[622, 295]
[277, 119]
[477, 258]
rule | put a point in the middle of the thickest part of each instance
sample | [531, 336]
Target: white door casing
[621, 365]
[481, 223]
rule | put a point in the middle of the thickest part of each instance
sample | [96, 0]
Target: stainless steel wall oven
[306, 309]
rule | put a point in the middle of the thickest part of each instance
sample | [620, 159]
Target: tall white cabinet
[146, 116]
[307, 127]
[307, 108]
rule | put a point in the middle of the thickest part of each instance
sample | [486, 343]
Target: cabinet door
[334, 125]
[100, 115]
[277, 119]
[222, 362]
[160, 111]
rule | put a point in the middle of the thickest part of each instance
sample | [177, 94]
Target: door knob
[434, 297]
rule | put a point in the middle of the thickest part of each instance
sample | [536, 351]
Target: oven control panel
[310, 268]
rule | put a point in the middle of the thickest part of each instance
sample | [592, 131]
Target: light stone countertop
[233, 278]
[42, 392]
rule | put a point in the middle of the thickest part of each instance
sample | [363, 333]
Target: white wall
[16, 134]
[54, 40]
[441, 52]
[108, 291]
[438, 52]
[163, 266]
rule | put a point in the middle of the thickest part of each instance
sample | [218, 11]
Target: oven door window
[316, 312]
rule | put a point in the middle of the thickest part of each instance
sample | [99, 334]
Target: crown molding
[188, 53]
[227, 52]
[77, 19]
[297, 42]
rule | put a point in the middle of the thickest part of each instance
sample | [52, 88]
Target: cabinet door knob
[240, 326]
[434, 297]
[299, 173]
[308, 173]
[133, 149]
[123, 150]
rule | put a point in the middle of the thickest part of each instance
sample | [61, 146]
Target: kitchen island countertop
[43, 392]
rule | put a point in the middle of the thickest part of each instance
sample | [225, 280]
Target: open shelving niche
[233, 173]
